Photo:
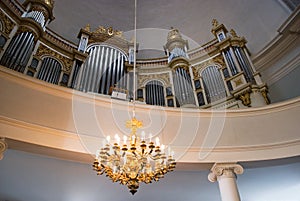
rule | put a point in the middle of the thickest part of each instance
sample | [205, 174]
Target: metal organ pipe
[37, 16]
[21, 51]
[99, 71]
[115, 68]
[86, 73]
[94, 70]
[109, 69]
[27, 51]
[8, 53]
[75, 74]
[18, 52]
[118, 76]
[26, 56]
[123, 76]
[215, 88]
[155, 93]
[103, 69]
[50, 71]
[103, 82]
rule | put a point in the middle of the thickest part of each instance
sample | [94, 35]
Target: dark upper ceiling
[257, 20]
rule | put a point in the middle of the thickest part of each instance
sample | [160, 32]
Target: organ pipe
[155, 93]
[214, 85]
[50, 71]
[18, 52]
[37, 16]
[183, 87]
[103, 69]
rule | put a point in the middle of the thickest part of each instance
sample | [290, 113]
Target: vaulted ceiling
[257, 20]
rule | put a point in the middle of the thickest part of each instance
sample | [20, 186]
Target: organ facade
[218, 74]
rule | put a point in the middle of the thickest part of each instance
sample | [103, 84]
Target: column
[3, 147]
[225, 174]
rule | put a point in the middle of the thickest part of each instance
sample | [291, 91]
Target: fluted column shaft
[225, 174]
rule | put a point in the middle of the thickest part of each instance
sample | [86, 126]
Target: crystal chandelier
[135, 161]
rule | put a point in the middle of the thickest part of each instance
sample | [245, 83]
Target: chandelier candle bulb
[143, 134]
[162, 148]
[124, 139]
[157, 141]
[133, 138]
[117, 138]
[108, 139]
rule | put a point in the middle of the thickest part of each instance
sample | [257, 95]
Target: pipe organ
[36, 16]
[102, 70]
[18, 52]
[219, 74]
[50, 70]
[155, 93]
[214, 86]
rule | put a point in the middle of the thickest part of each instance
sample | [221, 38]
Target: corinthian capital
[224, 170]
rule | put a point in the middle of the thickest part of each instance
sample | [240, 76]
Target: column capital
[3, 147]
[225, 170]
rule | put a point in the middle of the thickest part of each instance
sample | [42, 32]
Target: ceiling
[257, 20]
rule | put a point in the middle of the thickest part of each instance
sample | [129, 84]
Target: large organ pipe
[22, 51]
[161, 97]
[99, 69]
[82, 76]
[109, 68]
[105, 71]
[48, 70]
[185, 83]
[212, 84]
[176, 86]
[119, 72]
[114, 68]
[11, 48]
[94, 70]
[57, 73]
[123, 77]
[182, 91]
[88, 74]
[153, 93]
[25, 55]
[51, 75]
[45, 69]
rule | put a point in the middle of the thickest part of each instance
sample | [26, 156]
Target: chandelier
[135, 160]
